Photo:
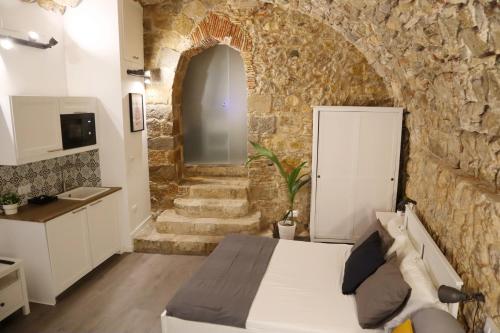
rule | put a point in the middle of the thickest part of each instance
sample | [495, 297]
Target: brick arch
[213, 30]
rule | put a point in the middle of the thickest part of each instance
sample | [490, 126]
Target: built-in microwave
[78, 130]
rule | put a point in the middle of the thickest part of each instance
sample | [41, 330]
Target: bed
[300, 289]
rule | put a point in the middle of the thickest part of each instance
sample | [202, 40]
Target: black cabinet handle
[392, 179]
[2, 305]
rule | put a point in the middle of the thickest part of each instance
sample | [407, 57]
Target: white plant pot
[286, 231]
[10, 209]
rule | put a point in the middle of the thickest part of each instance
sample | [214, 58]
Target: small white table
[13, 292]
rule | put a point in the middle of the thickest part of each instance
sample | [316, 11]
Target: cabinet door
[375, 187]
[133, 32]
[77, 105]
[336, 168]
[37, 126]
[68, 242]
[103, 229]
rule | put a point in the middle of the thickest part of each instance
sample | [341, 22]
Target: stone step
[148, 240]
[222, 208]
[216, 170]
[236, 181]
[217, 191]
[169, 222]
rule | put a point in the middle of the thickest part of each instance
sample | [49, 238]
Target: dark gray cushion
[362, 263]
[435, 320]
[382, 296]
[386, 238]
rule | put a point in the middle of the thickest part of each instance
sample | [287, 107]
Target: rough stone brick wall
[292, 62]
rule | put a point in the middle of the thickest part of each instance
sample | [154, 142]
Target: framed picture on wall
[136, 106]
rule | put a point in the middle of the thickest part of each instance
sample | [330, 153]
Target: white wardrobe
[355, 169]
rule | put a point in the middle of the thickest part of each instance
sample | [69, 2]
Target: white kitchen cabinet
[132, 31]
[69, 250]
[36, 125]
[355, 169]
[31, 129]
[102, 221]
[59, 252]
[77, 105]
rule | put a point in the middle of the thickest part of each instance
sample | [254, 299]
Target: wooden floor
[127, 293]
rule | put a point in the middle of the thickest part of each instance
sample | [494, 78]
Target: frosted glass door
[214, 105]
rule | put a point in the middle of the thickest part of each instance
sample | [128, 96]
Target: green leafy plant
[294, 179]
[10, 199]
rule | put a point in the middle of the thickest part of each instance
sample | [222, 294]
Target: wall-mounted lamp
[451, 295]
[33, 36]
[141, 73]
[448, 294]
[7, 42]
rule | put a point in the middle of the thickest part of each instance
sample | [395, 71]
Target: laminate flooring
[127, 293]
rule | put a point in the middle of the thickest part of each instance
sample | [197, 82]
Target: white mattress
[301, 292]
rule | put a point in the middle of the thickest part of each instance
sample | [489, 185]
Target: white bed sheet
[301, 292]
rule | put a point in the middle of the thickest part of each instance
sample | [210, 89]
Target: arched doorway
[214, 108]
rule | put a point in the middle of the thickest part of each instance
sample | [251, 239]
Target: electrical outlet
[490, 327]
[24, 189]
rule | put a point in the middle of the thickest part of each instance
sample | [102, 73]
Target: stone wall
[441, 61]
[287, 73]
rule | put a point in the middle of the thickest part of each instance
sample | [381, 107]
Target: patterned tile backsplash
[45, 176]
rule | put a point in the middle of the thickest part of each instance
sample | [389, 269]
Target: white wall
[94, 68]
[24, 70]
[136, 143]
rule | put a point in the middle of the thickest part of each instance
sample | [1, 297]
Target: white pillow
[423, 293]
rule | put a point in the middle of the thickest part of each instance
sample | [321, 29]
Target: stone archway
[212, 30]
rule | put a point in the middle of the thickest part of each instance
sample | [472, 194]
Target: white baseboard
[130, 246]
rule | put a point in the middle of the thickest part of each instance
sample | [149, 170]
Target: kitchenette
[74, 177]
[60, 221]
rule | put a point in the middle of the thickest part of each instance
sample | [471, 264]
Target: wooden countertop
[45, 213]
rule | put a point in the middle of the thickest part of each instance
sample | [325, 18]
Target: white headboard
[440, 270]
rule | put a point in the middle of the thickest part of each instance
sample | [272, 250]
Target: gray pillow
[382, 295]
[435, 320]
[386, 238]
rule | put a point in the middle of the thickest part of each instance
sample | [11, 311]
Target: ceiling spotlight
[6, 43]
[33, 36]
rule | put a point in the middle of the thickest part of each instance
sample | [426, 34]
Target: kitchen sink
[82, 193]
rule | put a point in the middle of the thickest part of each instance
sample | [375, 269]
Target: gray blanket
[223, 289]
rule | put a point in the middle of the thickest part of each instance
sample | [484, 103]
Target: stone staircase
[214, 204]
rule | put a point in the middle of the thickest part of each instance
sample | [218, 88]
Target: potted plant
[10, 202]
[294, 182]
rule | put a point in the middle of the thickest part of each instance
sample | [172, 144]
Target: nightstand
[13, 293]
